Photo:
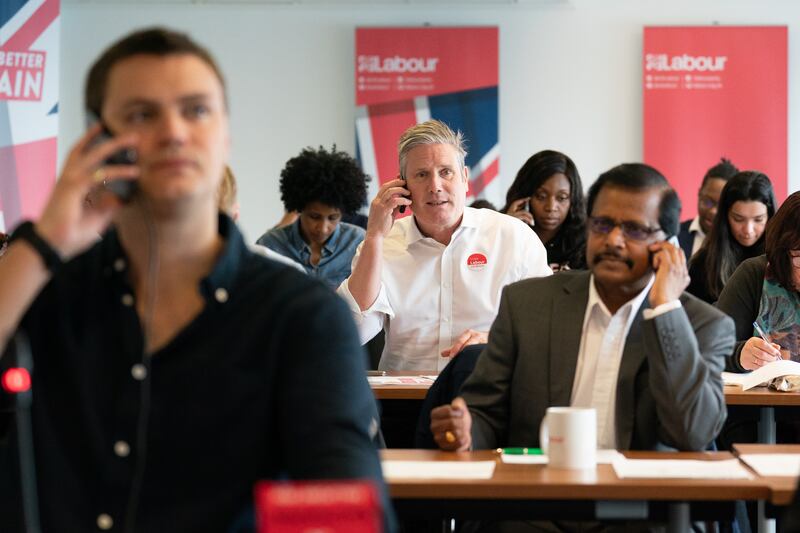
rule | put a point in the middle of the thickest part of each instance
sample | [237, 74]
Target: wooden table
[782, 488]
[766, 400]
[416, 391]
[539, 492]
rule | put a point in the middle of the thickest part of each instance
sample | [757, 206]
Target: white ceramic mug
[568, 436]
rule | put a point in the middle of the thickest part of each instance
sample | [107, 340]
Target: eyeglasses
[707, 203]
[630, 230]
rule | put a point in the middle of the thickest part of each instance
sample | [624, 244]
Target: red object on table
[317, 507]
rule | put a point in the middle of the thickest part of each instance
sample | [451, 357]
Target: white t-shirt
[431, 293]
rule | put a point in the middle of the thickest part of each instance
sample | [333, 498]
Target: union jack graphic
[405, 76]
[474, 113]
[29, 45]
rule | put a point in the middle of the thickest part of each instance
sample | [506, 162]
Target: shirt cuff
[380, 305]
[661, 309]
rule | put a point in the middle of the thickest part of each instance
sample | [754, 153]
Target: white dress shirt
[602, 344]
[699, 235]
[431, 293]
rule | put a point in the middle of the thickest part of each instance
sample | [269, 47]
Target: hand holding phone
[402, 208]
[521, 209]
[672, 273]
[123, 189]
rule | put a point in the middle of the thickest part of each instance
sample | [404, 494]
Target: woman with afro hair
[321, 186]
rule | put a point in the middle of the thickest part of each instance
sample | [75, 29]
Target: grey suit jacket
[669, 390]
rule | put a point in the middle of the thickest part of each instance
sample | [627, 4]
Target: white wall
[569, 74]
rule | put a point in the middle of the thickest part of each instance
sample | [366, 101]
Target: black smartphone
[402, 208]
[123, 189]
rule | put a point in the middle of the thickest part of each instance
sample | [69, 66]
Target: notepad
[679, 469]
[603, 457]
[732, 378]
[396, 470]
[773, 464]
[775, 369]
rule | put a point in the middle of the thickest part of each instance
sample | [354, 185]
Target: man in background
[693, 232]
[432, 281]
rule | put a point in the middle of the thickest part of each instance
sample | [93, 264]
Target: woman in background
[766, 290]
[746, 204]
[547, 194]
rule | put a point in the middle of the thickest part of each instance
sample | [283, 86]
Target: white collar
[469, 219]
[695, 227]
[635, 303]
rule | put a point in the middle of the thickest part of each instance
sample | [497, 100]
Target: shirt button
[139, 371]
[105, 522]
[122, 449]
[127, 300]
[221, 295]
[119, 265]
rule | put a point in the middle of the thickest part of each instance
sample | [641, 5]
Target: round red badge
[476, 262]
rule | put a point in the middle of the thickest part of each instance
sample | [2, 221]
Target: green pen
[520, 451]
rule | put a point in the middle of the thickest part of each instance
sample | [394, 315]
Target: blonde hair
[227, 191]
[430, 132]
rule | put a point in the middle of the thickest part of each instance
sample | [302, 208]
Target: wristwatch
[27, 232]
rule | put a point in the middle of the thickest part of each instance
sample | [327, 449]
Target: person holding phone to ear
[432, 281]
[173, 367]
[547, 194]
[623, 338]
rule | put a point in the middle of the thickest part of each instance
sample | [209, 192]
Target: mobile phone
[123, 189]
[402, 207]
[673, 240]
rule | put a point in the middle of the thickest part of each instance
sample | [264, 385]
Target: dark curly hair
[331, 178]
[570, 240]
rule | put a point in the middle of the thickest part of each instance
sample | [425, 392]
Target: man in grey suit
[623, 338]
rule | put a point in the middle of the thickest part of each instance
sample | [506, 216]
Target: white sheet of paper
[398, 380]
[732, 378]
[438, 469]
[680, 469]
[773, 464]
[775, 369]
[603, 457]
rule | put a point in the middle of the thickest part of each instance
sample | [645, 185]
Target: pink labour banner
[712, 92]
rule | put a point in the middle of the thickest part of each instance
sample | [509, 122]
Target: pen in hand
[763, 336]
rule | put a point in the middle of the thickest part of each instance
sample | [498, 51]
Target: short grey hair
[430, 132]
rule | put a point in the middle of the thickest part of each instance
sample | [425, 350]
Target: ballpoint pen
[761, 333]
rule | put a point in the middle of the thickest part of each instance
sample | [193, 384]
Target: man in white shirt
[623, 338]
[433, 281]
[693, 232]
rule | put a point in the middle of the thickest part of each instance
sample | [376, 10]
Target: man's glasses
[707, 203]
[630, 230]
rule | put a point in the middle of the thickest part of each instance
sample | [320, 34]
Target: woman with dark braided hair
[547, 194]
